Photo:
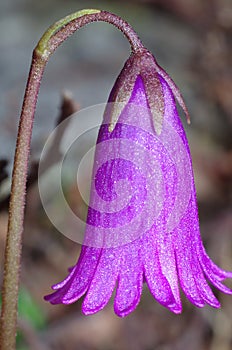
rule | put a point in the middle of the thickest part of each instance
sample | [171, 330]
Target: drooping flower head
[142, 224]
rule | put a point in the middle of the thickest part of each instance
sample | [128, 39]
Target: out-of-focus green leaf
[29, 310]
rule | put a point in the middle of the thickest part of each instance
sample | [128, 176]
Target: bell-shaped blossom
[142, 224]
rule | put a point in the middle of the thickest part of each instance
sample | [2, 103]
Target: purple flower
[142, 224]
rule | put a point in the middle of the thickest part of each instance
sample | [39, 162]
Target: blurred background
[191, 40]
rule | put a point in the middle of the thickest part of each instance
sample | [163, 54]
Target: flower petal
[130, 280]
[209, 267]
[167, 259]
[103, 282]
[64, 281]
[186, 263]
[77, 283]
[190, 272]
[211, 277]
[156, 281]
[205, 290]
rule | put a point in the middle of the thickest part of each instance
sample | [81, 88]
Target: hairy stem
[102, 16]
[16, 209]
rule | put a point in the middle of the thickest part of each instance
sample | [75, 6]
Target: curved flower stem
[52, 38]
[103, 16]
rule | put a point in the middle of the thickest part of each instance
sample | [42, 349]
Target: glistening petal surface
[142, 223]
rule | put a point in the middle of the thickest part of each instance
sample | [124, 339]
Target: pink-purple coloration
[164, 248]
